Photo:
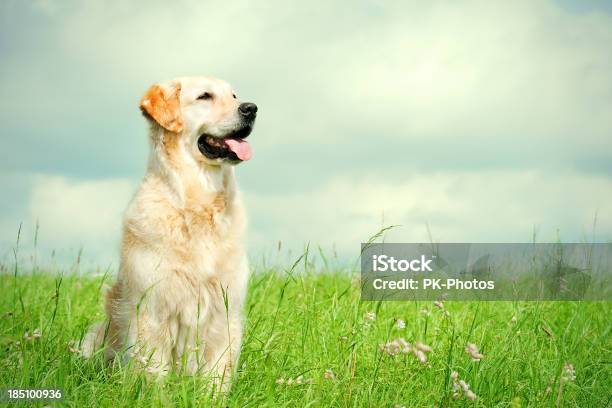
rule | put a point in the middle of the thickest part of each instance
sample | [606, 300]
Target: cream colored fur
[178, 298]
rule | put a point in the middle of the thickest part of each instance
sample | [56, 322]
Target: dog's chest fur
[197, 234]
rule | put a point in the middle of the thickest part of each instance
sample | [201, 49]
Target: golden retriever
[179, 294]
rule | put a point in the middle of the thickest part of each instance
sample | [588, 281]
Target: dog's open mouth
[232, 147]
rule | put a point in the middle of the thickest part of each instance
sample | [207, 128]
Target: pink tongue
[240, 147]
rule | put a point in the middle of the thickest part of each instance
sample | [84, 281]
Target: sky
[470, 121]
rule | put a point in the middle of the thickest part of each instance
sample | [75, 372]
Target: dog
[178, 298]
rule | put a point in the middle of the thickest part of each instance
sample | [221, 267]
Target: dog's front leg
[223, 350]
[150, 342]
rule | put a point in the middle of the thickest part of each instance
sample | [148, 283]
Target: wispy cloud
[484, 206]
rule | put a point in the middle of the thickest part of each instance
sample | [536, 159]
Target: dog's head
[205, 116]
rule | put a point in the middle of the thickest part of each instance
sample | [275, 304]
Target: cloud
[80, 211]
[71, 215]
[492, 206]
[515, 84]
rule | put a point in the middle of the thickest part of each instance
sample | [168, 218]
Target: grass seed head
[568, 372]
[420, 355]
[394, 347]
[400, 345]
[472, 350]
[461, 388]
[370, 316]
[34, 336]
[423, 347]
[72, 348]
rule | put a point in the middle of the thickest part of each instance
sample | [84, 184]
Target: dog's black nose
[248, 110]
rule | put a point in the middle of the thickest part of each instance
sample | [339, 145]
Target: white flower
[400, 324]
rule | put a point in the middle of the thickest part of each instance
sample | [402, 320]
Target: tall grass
[312, 328]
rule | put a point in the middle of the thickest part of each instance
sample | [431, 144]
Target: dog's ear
[162, 104]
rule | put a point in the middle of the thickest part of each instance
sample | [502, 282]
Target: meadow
[310, 341]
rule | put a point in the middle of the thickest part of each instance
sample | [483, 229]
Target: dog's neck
[195, 184]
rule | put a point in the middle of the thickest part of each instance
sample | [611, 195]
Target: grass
[305, 324]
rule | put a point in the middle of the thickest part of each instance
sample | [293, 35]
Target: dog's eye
[205, 96]
[234, 95]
